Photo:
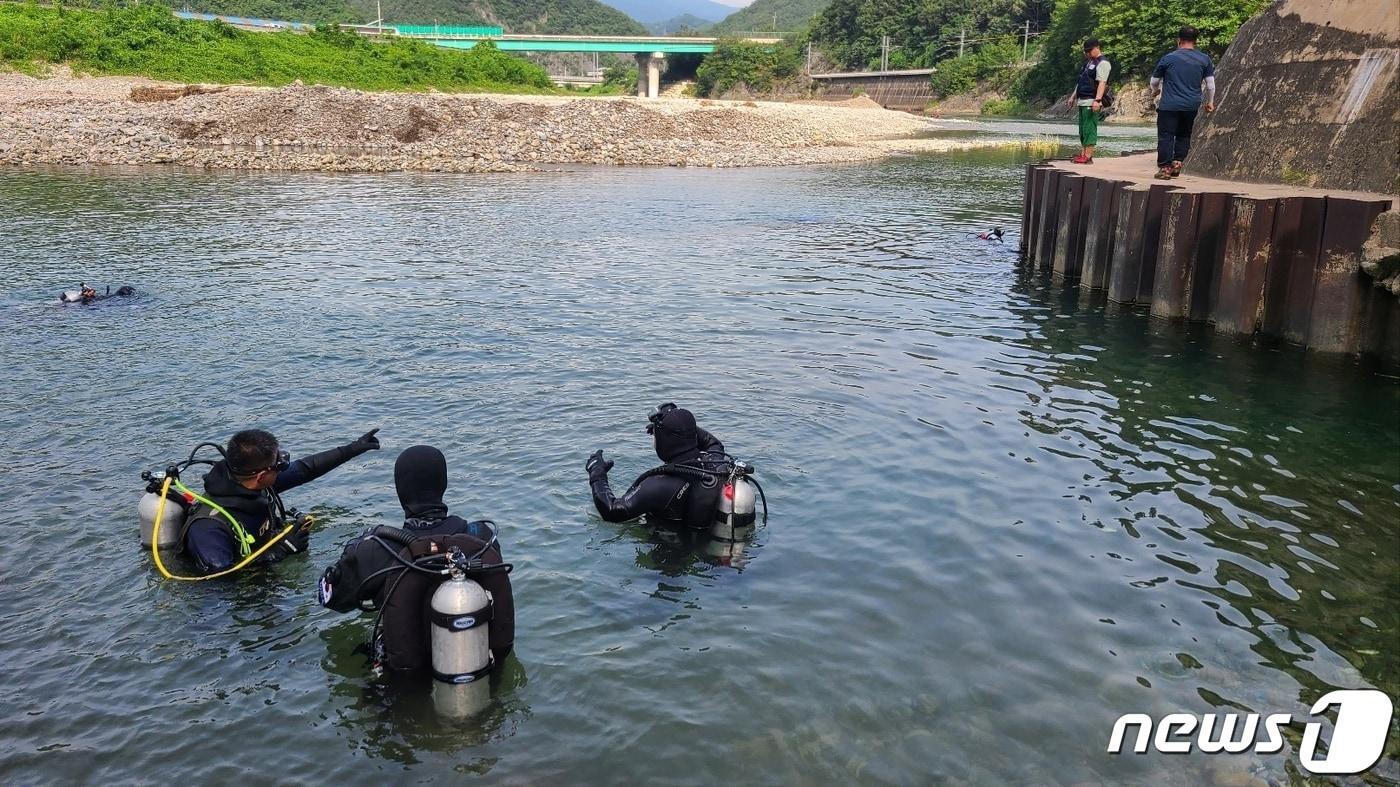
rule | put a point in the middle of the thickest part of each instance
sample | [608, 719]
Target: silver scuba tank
[729, 552]
[461, 700]
[737, 505]
[171, 520]
[461, 646]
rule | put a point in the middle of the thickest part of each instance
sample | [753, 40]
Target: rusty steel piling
[1249, 259]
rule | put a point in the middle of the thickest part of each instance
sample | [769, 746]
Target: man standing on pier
[1088, 96]
[1177, 78]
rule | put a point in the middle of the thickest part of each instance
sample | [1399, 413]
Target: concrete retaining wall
[909, 91]
[1309, 95]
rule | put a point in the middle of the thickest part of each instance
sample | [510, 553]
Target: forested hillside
[146, 39]
[925, 33]
[793, 15]
[586, 17]
[516, 16]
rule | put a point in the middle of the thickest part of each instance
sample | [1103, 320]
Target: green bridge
[468, 37]
[634, 45]
[649, 50]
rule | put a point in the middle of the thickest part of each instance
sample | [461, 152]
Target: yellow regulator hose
[155, 538]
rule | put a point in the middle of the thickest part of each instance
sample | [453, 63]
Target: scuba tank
[171, 519]
[461, 645]
[460, 639]
[735, 517]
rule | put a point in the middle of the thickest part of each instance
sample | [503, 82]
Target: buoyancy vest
[260, 513]
[405, 600]
[697, 501]
[1087, 86]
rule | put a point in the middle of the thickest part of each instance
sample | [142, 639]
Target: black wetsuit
[665, 497]
[91, 296]
[208, 538]
[360, 577]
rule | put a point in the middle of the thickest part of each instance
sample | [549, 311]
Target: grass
[1042, 147]
[147, 40]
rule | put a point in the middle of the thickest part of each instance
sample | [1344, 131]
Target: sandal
[1176, 169]
[1165, 173]
[1082, 159]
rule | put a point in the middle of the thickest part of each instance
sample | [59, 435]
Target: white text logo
[1358, 737]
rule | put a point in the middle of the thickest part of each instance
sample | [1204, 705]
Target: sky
[735, 3]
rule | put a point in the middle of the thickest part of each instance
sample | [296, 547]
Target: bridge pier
[649, 74]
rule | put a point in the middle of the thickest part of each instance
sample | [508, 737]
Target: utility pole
[1026, 40]
[775, 21]
[809, 58]
[962, 41]
[379, 12]
[884, 53]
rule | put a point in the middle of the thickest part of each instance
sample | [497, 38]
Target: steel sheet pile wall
[1286, 267]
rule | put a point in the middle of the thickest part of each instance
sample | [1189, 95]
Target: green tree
[1135, 34]
[922, 31]
[1061, 51]
[757, 66]
[992, 62]
[792, 15]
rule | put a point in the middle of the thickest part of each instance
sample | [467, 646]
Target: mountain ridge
[793, 15]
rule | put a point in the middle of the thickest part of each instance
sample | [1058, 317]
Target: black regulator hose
[195, 450]
[761, 496]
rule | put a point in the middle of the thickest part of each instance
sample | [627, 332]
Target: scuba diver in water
[244, 505]
[407, 574]
[685, 491]
[86, 294]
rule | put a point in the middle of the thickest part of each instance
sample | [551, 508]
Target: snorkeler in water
[86, 294]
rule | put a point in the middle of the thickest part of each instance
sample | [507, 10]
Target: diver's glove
[364, 443]
[295, 542]
[597, 466]
[310, 468]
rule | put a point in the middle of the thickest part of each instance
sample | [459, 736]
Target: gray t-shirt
[1182, 72]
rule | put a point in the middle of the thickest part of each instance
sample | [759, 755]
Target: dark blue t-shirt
[1182, 72]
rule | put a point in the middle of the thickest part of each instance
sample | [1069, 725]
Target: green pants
[1088, 126]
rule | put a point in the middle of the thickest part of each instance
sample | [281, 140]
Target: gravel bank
[68, 120]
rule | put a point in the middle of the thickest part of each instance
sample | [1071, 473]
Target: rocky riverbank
[65, 119]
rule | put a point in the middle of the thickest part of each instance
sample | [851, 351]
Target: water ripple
[994, 505]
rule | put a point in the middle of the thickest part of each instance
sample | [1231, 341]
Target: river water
[1000, 517]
